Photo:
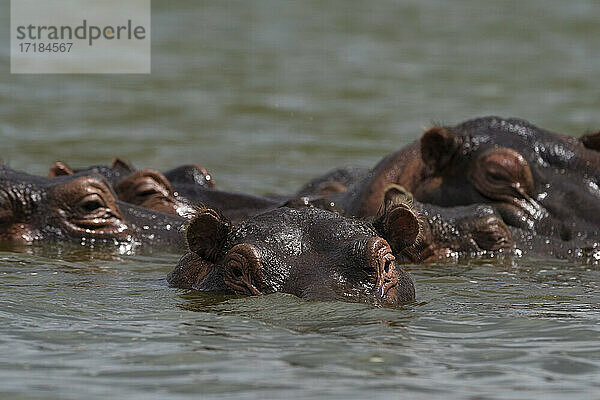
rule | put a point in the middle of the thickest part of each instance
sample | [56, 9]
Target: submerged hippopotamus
[189, 174]
[177, 191]
[335, 181]
[445, 232]
[147, 188]
[309, 252]
[78, 208]
[541, 184]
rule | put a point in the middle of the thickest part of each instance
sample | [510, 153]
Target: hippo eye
[146, 191]
[91, 203]
[498, 172]
[144, 186]
[496, 175]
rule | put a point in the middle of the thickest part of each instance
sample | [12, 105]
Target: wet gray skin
[189, 174]
[308, 252]
[446, 232]
[112, 173]
[335, 181]
[79, 208]
[467, 231]
[177, 191]
[460, 231]
[233, 205]
[541, 184]
[147, 188]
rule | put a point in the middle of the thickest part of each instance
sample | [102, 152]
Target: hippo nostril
[387, 266]
[388, 277]
[237, 272]
[384, 263]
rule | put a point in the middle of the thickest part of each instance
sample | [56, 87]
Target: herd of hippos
[486, 186]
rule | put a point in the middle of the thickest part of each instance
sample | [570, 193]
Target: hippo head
[147, 188]
[451, 231]
[538, 181]
[150, 189]
[72, 207]
[190, 174]
[113, 173]
[335, 181]
[187, 174]
[309, 252]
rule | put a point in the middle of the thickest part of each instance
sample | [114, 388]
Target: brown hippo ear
[59, 169]
[437, 148]
[122, 165]
[207, 233]
[397, 221]
[591, 141]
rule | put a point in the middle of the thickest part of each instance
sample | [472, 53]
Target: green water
[267, 94]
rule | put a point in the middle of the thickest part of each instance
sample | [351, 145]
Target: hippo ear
[397, 221]
[59, 169]
[591, 141]
[437, 148]
[207, 234]
[122, 165]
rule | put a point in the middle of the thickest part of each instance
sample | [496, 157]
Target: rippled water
[113, 327]
[267, 94]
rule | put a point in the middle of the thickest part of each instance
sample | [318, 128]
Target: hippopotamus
[312, 253]
[79, 207]
[445, 232]
[541, 184]
[236, 206]
[177, 191]
[147, 188]
[189, 174]
[335, 181]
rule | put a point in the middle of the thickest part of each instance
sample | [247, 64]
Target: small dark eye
[91, 205]
[147, 193]
[498, 174]
[495, 176]
[148, 187]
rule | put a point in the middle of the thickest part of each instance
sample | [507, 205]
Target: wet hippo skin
[541, 184]
[177, 191]
[73, 207]
[312, 253]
